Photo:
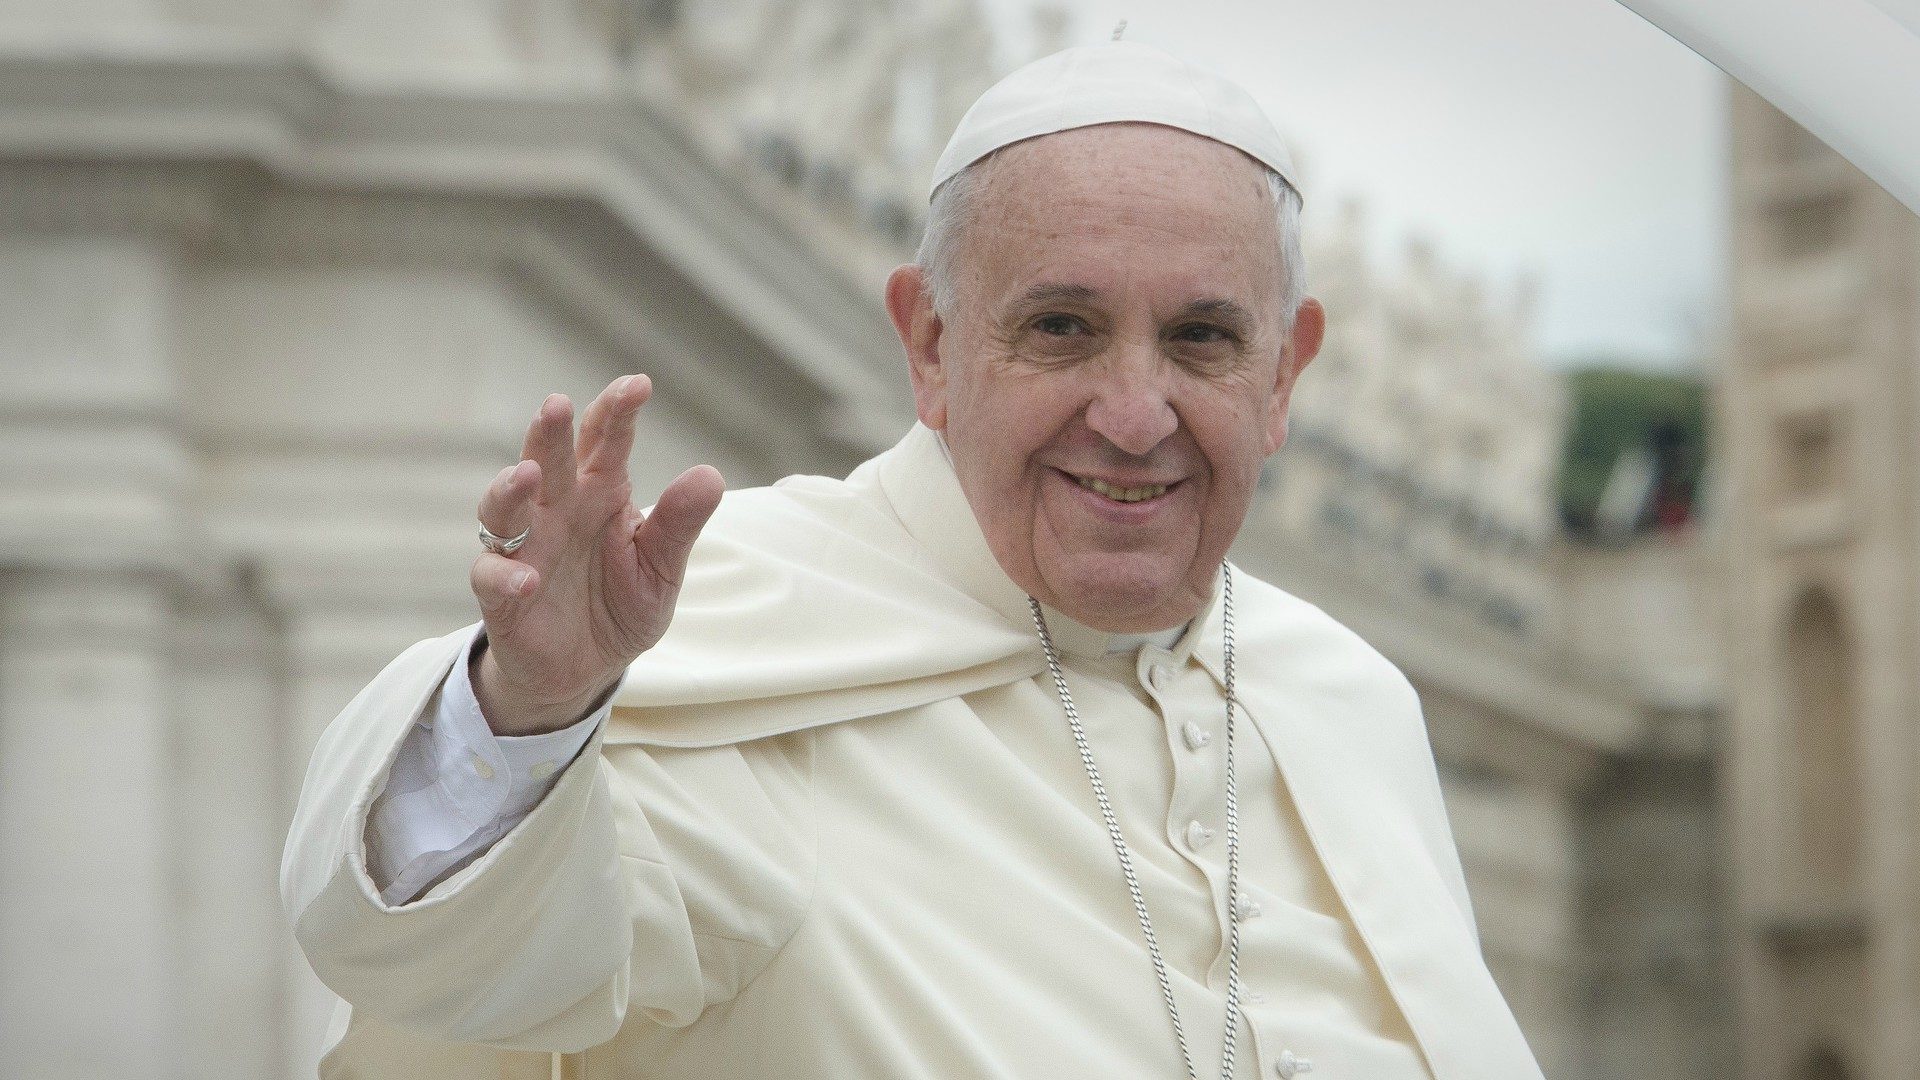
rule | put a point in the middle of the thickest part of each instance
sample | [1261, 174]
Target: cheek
[1236, 453]
[1011, 416]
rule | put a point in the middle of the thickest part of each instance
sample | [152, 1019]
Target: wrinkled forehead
[1137, 150]
[1168, 210]
[1126, 166]
[1070, 186]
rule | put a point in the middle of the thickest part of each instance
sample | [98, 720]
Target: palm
[603, 576]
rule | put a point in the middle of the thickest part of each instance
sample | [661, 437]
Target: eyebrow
[1053, 293]
[1044, 294]
[1221, 309]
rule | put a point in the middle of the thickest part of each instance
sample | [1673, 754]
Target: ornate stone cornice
[1528, 689]
[245, 148]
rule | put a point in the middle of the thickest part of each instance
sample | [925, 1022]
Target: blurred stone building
[1571, 689]
[281, 281]
[1820, 433]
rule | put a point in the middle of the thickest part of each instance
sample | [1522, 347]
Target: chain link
[1126, 858]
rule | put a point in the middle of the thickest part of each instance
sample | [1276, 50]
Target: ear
[1309, 329]
[910, 306]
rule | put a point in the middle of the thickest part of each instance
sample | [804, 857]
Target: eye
[1058, 325]
[1203, 334]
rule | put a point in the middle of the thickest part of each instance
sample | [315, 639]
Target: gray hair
[947, 213]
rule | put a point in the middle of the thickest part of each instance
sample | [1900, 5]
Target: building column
[86, 913]
[89, 536]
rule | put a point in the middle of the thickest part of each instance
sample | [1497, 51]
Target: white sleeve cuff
[456, 787]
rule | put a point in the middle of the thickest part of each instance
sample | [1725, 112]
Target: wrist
[511, 712]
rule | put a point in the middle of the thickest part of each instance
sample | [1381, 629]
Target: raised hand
[595, 582]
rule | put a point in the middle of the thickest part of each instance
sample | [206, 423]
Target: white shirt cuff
[456, 787]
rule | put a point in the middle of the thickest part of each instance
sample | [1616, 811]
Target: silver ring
[501, 545]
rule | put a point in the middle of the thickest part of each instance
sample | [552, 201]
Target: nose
[1132, 408]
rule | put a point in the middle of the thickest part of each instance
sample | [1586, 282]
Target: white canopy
[1846, 70]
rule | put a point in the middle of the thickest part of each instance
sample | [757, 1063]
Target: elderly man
[982, 762]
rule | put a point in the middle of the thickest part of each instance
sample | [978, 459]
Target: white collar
[1165, 639]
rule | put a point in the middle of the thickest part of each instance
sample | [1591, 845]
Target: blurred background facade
[280, 283]
[1819, 396]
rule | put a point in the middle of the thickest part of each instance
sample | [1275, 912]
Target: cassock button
[1291, 1065]
[541, 770]
[1158, 676]
[480, 766]
[1244, 908]
[1195, 735]
[1198, 835]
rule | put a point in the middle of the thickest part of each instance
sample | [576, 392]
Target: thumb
[665, 539]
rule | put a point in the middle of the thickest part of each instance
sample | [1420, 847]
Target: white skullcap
[1112, 83]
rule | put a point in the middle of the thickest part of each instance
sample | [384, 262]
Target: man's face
[1115, 371]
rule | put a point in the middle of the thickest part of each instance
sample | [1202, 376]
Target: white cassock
[837, 827]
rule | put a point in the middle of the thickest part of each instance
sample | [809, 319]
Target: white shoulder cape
[820, 601]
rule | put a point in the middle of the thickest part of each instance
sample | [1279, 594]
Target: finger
[550, 443]
[506, 507]
[606, 428]
[665, 539]
[499, 581]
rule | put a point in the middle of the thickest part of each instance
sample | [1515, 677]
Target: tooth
[1120, 494]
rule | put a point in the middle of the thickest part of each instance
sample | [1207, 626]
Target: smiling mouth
[1122, 494]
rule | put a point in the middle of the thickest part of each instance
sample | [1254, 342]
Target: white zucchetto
[1111, 83]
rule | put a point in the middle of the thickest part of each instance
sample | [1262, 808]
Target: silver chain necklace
[1126, 858]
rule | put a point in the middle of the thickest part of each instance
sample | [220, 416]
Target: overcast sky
[1564, 138]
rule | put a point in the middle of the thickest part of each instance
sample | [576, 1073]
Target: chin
[1125, 594]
